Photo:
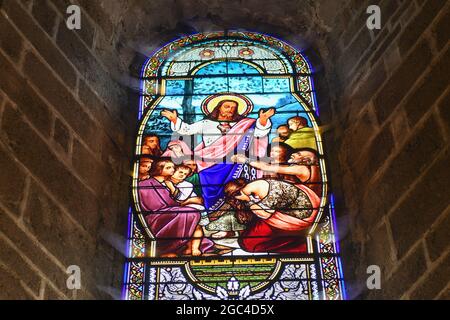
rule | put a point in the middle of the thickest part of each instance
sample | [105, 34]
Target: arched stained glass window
[230, 194]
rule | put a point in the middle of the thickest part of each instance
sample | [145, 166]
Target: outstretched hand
[238, 158]
[264, 116]
[170, 115]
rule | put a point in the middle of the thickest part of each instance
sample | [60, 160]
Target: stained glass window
[230, 190]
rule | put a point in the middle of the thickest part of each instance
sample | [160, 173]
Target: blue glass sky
[263, 92]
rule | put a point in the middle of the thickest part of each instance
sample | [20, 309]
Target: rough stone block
[52, 294]
[61, 135]
[45, 15]
[437, 239]
[370, 84]
[356, 136]
[98, 14]
[88, 167]
[17, 265]
[424, 204]
[378, 250]
[56, 230]
[353, 54]
[57, 177]
[11, 288]
[21, 93]
[373, 157]
[380, 51]
[401, 81]
[431, 88]
[356, 24]
[441, 28]
[62, 99]
[90, 68]
[417, 26]
[399, 126]
[10, 40]
[41, 41]
[437, 280]
[407, 273]
[406, 167]
[32, 250]
[113, 126]
[444, 111]
[12, 181]
[87, 31]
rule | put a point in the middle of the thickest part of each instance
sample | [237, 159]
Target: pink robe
[225, 145]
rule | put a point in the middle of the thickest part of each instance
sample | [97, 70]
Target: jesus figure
[225, 131]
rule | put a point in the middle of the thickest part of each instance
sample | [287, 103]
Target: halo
[245, 105]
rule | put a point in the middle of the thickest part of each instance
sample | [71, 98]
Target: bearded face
[227, 110]
[151, 142]
[302, 159]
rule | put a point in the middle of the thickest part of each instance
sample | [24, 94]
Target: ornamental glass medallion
[229, 194]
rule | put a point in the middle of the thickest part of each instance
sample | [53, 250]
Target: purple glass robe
[171, 224]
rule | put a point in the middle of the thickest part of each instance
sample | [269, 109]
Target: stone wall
[390, 146]
[65, 147]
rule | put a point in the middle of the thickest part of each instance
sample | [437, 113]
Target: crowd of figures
[185, 197]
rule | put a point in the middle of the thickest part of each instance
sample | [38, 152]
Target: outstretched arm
[264, 116]
[290, 170]
[263, 124]
[170, 115]
[179, 126]
[298, 170]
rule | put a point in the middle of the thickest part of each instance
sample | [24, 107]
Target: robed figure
[226, 130]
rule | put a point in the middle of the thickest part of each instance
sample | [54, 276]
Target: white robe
[209, 130]
[186, 191]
